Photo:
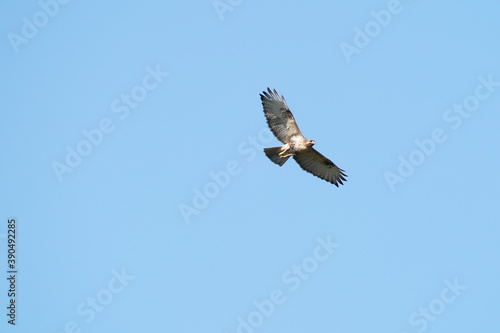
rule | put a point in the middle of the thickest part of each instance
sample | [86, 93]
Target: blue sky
[132, 140]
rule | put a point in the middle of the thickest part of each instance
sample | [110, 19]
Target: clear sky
[132, 135]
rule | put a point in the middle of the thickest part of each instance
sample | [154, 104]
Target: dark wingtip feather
[272, 94]
[267, 95]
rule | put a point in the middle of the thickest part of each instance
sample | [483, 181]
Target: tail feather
[273, 154]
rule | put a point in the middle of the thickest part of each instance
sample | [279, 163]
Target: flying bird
[282, 123]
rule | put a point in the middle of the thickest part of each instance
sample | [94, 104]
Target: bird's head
[311, 143]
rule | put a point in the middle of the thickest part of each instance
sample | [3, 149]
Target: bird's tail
[273, 154]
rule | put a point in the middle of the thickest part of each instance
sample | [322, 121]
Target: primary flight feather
[285, 129]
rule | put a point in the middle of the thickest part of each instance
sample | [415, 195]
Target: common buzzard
[282, 124]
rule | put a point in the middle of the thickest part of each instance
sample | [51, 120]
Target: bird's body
[283, 125]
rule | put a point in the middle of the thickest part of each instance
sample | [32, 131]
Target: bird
[282, 124]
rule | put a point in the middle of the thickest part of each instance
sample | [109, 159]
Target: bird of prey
[282, 124]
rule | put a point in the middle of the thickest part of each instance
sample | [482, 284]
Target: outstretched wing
[313, 162]
[278, 116]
